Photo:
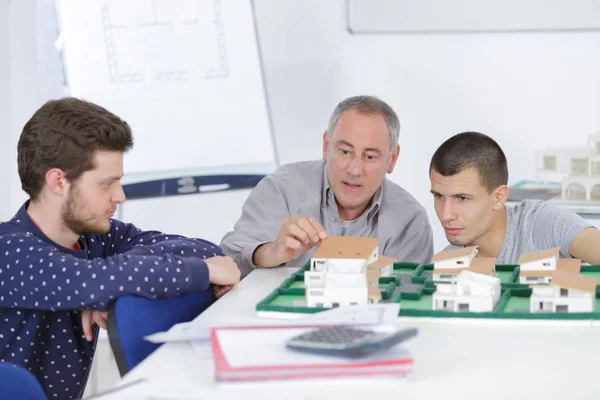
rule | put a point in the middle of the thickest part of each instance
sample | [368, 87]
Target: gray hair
[368, 105]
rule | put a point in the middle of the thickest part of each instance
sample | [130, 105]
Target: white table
[455, 359]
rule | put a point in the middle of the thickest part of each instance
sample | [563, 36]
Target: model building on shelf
[537, 267]
[469, 292]
[568, 292]
[576, 168]
[340, 270]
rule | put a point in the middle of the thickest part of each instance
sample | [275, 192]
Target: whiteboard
[185, 74]
[435, 16]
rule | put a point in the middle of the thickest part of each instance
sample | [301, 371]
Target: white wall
[28, 77]
[22, 91]
[4, 110]
[528, 91]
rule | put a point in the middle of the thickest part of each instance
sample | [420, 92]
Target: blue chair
[16, 383]
[130, 318]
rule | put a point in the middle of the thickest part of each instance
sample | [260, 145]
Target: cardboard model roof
[538, 255]
[351, 247]
[569, 264]
[446, 255]
[570, 280]
[572, 265]
[381, 262]
[483, 265]
[480, 265]
[374, 292]
[373, 276]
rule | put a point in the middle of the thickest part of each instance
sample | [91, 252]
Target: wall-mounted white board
[435, 16]
[185, 74]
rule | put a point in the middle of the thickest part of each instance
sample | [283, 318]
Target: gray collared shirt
[394, 216]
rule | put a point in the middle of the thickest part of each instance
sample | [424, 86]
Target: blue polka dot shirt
[44, 287]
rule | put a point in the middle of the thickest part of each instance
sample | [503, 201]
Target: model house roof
[374, 292]
[483, 265]
[480, 265]
[569, 280]
[381, 262]
[569, 264]
[373, 276]
[350, 247]
[572, 265]
[452, 254]
[538, 255]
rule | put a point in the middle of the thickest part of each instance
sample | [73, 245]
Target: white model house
[448, 263]
[480, 265]
[470, 292]
[567, 292]
[384, 264]
[537, 267]
[338, 272]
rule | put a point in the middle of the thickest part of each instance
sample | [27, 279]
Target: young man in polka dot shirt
[63, 258]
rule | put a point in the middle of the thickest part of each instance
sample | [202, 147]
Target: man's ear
[325, 145]
[500, 196]
[56, 181]
[393, 159]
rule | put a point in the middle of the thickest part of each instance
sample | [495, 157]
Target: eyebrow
[352, 146]
[112, 178]
[453, 195]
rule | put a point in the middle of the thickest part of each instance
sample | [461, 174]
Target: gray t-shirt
[534, 225]
[347, 225]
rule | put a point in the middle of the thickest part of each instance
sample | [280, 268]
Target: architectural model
[383, 264]
[448, 263]
[345, 271]
[537, 267]
[469, 292]
[373, 291]
[568, 292]
[577, 170]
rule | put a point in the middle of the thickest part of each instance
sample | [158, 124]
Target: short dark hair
[472, 150]
[65, 134]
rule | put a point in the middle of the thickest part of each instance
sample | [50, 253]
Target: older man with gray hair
[346, 194]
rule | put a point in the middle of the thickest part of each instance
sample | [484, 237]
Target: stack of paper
[259, 353]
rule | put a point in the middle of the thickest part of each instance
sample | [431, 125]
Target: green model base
[412, 286]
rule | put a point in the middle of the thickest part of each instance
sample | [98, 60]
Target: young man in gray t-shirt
[469, 176]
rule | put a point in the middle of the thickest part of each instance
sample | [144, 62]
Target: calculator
[347, 341]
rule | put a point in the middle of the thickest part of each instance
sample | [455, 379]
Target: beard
[76, 223]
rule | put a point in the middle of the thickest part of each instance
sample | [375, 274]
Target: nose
[119, 195]
[448, 213]
[355, 168]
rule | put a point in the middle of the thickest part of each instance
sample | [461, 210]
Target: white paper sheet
[374, 314]
[266, 347]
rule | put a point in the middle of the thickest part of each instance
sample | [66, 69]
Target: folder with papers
[259, 353]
